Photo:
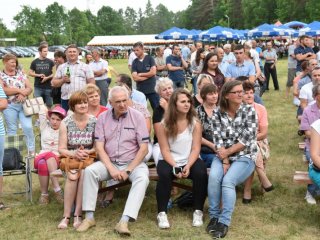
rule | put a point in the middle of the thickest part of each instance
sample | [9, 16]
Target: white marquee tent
[125, 40]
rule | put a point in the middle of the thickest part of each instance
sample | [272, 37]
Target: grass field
[280, 214]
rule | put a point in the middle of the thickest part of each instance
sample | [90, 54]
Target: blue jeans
[194, 85]
[103, 86]
[223, 187]
[2, 138]
[153, 99]
[207, 158]
[11, 114]
[65, 104]
[45, 94]
[178, 84]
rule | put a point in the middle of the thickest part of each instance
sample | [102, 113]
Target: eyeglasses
[237, 92]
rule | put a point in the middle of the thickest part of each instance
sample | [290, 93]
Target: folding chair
[19, 142]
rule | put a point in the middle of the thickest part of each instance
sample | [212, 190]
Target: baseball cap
[59, 110]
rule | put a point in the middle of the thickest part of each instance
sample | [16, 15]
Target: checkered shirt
[243, 129]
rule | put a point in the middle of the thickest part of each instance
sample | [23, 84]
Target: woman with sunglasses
[234, 135]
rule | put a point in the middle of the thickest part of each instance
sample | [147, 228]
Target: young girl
[47, 160]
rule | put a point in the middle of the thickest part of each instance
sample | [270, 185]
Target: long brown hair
[226, 88]
[170, 116]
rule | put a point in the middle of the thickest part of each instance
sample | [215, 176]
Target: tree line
[58, 26]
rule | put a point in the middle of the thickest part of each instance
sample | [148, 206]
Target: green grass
[281, 214]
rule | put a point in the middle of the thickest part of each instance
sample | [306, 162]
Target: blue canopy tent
[312, 29]
[267, 30]
[173, 33]
[217, 33]
[295, 24]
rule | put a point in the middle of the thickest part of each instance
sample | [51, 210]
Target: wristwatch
[128, 172]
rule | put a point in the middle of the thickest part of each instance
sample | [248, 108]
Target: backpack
[12, 159]
[185, 200]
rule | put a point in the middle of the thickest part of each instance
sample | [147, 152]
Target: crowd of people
[221, 126]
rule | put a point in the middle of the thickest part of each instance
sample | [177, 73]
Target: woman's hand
[21, 98]
[163, 103]
[186, 171]
[81, 153]
[222, 153]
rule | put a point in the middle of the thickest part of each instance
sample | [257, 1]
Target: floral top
[77, 137]
[207, 128]
[17, 81]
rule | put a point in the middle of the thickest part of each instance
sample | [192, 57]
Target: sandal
[77, 220]
[64, 223]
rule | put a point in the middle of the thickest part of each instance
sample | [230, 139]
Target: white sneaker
[163, 220]
[310, 199]
[197, 218]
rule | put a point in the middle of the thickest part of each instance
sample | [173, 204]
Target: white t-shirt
[167, 52]
[132, 57]
[316, 125]
[306, 93]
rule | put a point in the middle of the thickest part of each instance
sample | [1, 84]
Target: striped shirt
[80, 73]
[2, 130]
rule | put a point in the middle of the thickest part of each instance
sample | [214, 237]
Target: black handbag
[184, 201]
[12, 159]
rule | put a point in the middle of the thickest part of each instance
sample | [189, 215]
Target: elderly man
[100, 69]
[122, 143]
[228, 55]
[72, 76]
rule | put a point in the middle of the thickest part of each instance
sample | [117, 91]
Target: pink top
[122, 137]
[262, 115]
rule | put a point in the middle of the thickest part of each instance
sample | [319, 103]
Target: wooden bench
[153, 176]
[301, 177]
[301, 145]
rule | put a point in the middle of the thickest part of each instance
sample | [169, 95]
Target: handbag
[264, 149]
[72, 166]
[185, 200]
[32, 106]
[12, 159]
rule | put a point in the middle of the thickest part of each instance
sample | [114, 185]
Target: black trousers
[198, 174]
[273, 71]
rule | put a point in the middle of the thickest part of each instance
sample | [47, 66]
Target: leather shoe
[86, 224]
[246, 200]
[220, 231]
[213, 222]
[122, 228]
[269, 189]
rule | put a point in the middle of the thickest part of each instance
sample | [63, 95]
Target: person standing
[292, 64]
[176, 66]
[41, 69]
[303, 52]
[72, 76]
[100, 69]
[59, 58]
[160, 63]
[270, 56]
[143, 73]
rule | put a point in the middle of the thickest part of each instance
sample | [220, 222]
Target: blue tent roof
[267, 30]
[312, 29]
[295, 24]
[217, 33]
[172, 33]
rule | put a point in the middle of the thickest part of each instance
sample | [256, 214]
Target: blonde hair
[91, 88]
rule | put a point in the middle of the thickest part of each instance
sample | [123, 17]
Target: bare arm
[303, 103]
[91, 80]
[149, 74]
[63, 141]
[196, 144]
[138, 78]
[3, 103]
[172, 68]
[263, 132]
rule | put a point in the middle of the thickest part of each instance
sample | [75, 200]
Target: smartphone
[177, 170]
